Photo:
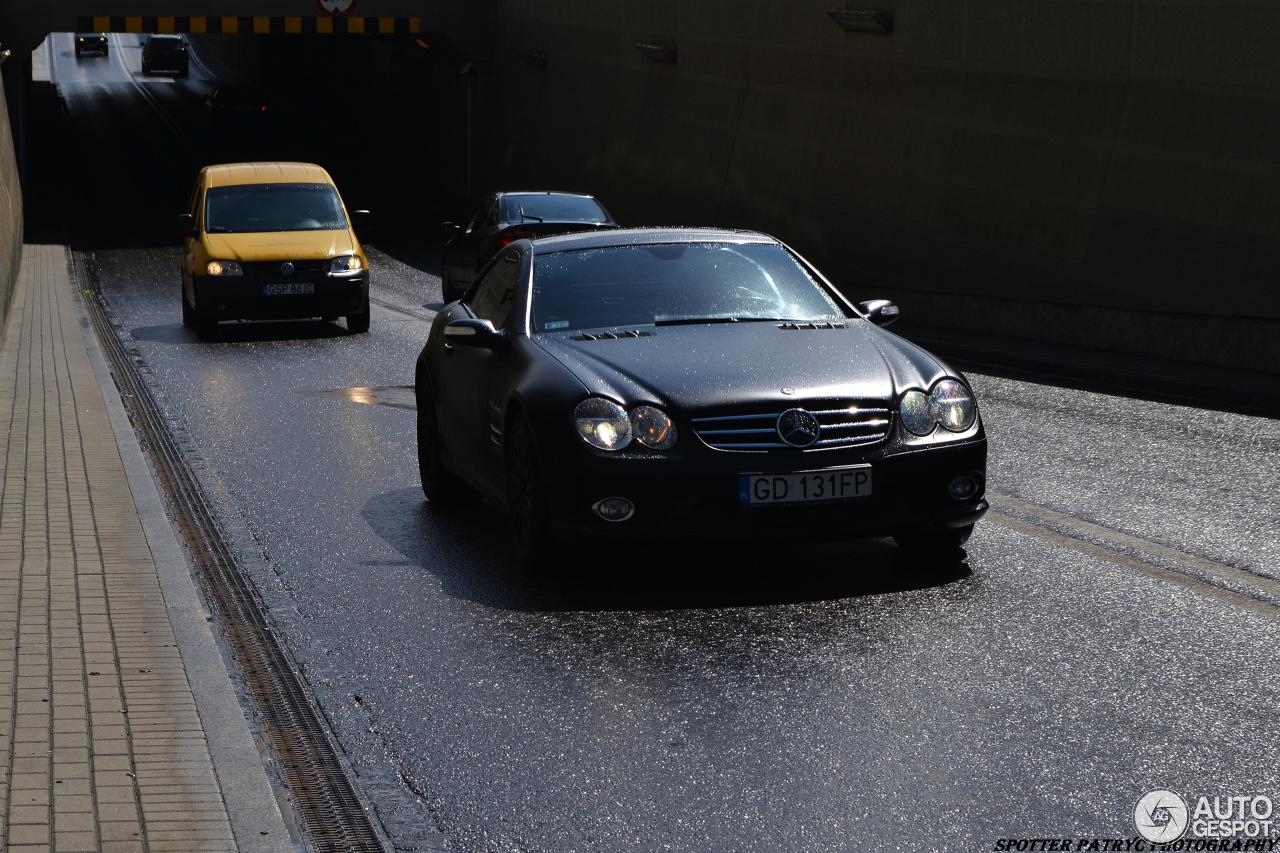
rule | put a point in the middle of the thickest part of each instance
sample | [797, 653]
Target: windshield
[553, 208]
[674, 283]
[273, 207]
[167, 44]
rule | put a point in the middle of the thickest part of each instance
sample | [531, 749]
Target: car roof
[506, 193]
[233, 174]
[165, 37]
[644, 237]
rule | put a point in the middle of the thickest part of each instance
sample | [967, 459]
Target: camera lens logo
[1161, 816]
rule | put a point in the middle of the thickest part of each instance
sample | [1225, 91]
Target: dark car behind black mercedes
[165, 54]
[501, 219]
[670, 382]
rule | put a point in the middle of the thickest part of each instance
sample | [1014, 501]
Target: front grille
[842, 423]
[273, 267]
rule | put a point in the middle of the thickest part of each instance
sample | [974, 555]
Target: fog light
[614, 509]
[963, 487]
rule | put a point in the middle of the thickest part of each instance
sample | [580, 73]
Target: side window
[483, 217]
[496, 292]
[474, 220]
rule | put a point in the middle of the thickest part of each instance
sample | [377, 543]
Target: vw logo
[287, 268]
[798, 428]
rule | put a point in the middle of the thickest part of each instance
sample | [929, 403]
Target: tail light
[506, 238]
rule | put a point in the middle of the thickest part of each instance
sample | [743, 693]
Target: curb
[256, 819]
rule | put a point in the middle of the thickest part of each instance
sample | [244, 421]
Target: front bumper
[909, 491]
[241, 297]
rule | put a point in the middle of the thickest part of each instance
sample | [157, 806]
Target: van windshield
[273, 207]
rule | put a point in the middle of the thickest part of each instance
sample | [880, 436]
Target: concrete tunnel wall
[1097, 172]
[10, 211]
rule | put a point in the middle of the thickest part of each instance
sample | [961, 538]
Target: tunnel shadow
[241, 333]
[465, 547]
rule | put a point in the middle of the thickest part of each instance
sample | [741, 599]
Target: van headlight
[602, 423]
[346, 263]
[224, 268]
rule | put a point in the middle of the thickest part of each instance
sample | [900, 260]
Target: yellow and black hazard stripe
[250, 25]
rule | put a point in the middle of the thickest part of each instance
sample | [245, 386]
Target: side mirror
[470, 332]
[882, 312]
[449, 229]
[186, 225]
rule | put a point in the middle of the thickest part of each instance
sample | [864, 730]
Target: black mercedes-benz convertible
[679, 382]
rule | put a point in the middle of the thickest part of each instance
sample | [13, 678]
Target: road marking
[1244, 586]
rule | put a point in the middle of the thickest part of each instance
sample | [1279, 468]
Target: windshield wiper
[695, 321]
[530, 216]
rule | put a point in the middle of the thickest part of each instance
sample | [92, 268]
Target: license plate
[833, 484]
[289, 288]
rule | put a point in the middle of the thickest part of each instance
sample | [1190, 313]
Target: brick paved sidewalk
[101, 742]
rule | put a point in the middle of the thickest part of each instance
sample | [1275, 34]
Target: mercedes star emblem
[798, 428]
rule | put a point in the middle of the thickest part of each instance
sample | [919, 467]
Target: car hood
[280, 245]
[701, 367]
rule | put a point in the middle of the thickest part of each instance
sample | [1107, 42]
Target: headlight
[951, 405]
[602, 423]
[653, 427]
[224, 268]
[346, 263]
[916, 413]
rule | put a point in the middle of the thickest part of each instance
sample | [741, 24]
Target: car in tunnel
[645, 384]
[165, 54]
[270, 241]
[502, 218]
[91, 43]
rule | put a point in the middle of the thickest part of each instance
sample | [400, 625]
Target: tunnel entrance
[385, 114]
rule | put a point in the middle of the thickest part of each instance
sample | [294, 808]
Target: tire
[329, 318]
[526, 504]
[933, 540]
[439, 486]
[188, 315]
[146, 70]
[79, 53]
[359, 323]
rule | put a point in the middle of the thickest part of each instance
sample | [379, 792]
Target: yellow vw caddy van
[270, 241]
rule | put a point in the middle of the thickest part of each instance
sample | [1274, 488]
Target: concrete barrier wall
[10, 212]
[1091, 171]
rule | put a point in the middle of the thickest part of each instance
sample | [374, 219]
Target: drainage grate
[328, 808]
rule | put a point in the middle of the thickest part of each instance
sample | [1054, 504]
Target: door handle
[448, 347]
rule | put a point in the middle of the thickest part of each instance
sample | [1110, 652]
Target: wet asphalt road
[1114, 630]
